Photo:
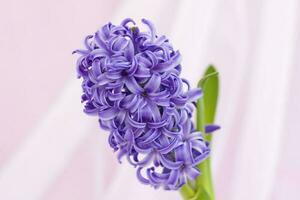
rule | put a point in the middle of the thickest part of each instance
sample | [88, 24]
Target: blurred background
[50, 150]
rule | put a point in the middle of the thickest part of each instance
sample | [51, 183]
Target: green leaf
[208, 104]
[206, 110]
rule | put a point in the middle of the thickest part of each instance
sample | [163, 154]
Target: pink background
[49, 150]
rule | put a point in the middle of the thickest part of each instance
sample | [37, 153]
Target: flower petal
[153, 84]
[168, 65]
[108, 113]
[192, 172]
[140, 176]
[194, 94]
[133, 86]
[170, 164]
[211, 128]
[134, 123]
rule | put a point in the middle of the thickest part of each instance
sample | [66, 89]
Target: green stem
[205, 179]
[187, 192]
[206, 108]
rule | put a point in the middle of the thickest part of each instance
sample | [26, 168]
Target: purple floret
[131, 81]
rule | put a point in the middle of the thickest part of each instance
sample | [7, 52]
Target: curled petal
[117, 30]
[201, 158]
[135, 124]
[192, 172]
[153, 83]
[108, 114]
[163, 176]
[118, 138]
[115, 97]
[151, 111]
[198, 145]
[144, 149]
[170, 147]
[151, 135]
[129, 101]
[159, 95]
[162, 102]
[101, 80]
[112, 142]
[140, 176]
[122, 152]
[151, 28]
[87, 43]
[170, 164]
[142, 72]
[168, 65]
[186, 82]
[157, 124]
[138, 132]
[194, 136]
[186, 128]
[154, 178]
[183, 116]
[90, 109]
[129, 137]
[126, 21]
[152, 58]
[113, 85]
[184, 153]
[118, 44]
[139, 104]
[160, 40]
[129, 51]
[106, 125]
[99, 53]
[194, 94]
[133, 68]
[133, 86]
[179, 101]
[172, 133]
[173, 178]
[100, 42]
[82, 52]
[120, 117]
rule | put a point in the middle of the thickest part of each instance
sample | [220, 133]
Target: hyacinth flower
[131, 81]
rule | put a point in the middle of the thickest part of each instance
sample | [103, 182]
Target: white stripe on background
[47, 150]
[259, 149]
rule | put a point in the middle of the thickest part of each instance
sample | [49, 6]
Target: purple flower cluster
[131, 81]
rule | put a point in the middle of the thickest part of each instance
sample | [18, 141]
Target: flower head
[131, 81]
